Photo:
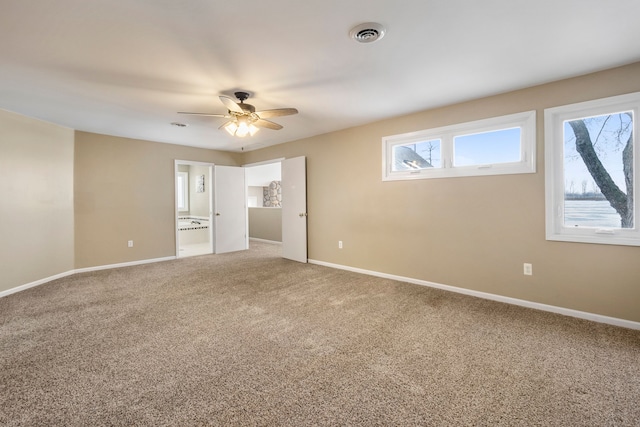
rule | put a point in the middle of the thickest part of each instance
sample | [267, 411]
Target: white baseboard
[494, 297]
[123, 264]
[36, 283]
[515, 301]
[80, 270]
[265, 241]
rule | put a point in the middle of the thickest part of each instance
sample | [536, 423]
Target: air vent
[368, 32]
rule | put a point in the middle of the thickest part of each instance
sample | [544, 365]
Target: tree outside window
[600, 150]
[590, 166]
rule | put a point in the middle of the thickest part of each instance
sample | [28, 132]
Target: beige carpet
[251, 339]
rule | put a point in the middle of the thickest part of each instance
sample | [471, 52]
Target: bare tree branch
[627, 167]
[601, 128]
[616, 197]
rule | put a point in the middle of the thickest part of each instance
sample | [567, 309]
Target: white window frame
[526, 121]
[554, 119]
[182, 180]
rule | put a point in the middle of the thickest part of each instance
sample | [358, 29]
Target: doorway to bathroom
[194, 208]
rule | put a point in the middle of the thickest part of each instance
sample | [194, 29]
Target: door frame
[211, 184]
[250, 165]
[280, 160]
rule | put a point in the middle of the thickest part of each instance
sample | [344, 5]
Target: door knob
[217, 213]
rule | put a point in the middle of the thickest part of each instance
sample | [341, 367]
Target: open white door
[294, 209]
[230, 209]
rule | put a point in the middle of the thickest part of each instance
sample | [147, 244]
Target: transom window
[416, 155]
[500, 145]
[591, 166]
[485, 148]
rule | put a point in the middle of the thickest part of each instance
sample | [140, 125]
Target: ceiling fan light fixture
[231, 127]
[243, 119]
[241, 128]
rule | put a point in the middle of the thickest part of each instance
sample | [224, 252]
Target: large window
[591, 171]
[500, 145]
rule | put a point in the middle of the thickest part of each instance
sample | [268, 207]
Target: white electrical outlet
[130, 243]
[528, 269]
[339, 244]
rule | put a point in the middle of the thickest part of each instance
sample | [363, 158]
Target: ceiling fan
[243, 118]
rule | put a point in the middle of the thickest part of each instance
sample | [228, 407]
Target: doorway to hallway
[279, 215]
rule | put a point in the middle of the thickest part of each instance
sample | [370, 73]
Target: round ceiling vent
[368, 32]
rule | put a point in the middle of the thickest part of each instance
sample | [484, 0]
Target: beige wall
[265, 223]
[36, 193]
[473, 233]
[124, 190]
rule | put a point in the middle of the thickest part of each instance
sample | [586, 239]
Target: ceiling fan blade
[231, 104]
[267, 124]
[278, 112]
[225, 123]
[226, 116]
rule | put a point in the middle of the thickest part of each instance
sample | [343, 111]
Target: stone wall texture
[272, 195]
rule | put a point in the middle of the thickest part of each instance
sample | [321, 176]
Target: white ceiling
[125, 67]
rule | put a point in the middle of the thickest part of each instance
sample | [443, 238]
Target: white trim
[36, 283]
[81, 270]
[554, 119]
[526, 121]
[264, 162]
[191, 162]
[484, 295]
[123, 264]
[265, 241]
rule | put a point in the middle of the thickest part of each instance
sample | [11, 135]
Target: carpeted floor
[250, 339]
